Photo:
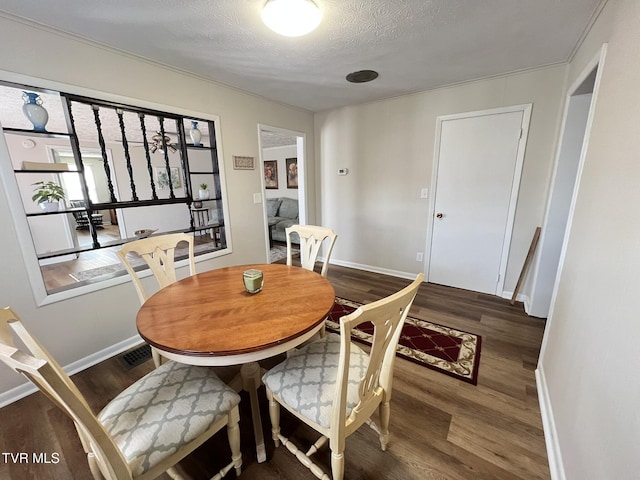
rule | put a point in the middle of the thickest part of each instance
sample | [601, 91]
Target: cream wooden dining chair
[149, 427]
[334, 386]
[311, 239]
[159, 253]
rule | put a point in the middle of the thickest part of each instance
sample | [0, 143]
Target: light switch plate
[424, 193]
[257, 198]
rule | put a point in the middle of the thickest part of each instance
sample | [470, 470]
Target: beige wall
[388, 148]
[75, 328]
[588, 369]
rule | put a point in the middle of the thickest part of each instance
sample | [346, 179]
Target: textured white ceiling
[414, 44]
[276, 139]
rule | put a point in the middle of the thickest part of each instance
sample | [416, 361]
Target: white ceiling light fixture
[291, 18]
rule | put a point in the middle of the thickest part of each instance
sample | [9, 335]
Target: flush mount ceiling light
[291, 18]
[362, 76]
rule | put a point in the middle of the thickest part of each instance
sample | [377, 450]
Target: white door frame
[526, 117]
[597, 61]
[533, 307]
[302, 174]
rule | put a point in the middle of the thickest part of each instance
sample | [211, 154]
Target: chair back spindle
[311, 239]
[387, 316]
[334, 386]
[159, 254]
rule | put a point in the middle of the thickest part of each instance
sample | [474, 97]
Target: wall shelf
[194, 147]
[34, 133]
[46, 171]
[57, 212]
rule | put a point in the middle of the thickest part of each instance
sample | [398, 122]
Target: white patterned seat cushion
[306, 381]
[163, 410]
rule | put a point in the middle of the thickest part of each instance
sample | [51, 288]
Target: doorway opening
[572, 149]
[282, 160]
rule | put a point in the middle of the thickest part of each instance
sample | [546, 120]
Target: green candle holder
[253, 280]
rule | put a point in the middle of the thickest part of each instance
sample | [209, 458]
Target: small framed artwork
[271, 174]
[163, 179]
[292, 172]
[243, 163]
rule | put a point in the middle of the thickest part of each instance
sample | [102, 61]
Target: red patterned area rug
[434, 346]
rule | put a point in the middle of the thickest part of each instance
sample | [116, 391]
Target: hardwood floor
[441, 428]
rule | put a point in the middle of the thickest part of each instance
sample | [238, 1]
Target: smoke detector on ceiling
[362, 76]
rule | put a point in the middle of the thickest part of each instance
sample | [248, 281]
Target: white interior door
[479, 161]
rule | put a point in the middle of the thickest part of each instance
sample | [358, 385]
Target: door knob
[439, 215]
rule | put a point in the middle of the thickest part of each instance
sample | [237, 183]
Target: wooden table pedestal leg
[251, 373]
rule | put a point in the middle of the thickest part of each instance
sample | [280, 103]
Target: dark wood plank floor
[441, 428]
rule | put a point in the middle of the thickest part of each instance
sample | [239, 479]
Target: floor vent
[135, 357]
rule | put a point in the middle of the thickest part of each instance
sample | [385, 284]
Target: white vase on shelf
[34, 111]
[195, 134]
[203, 194]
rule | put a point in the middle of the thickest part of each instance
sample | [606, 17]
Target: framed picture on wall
[163, 179]
[243, 163]
[292, 172]
[271, 174]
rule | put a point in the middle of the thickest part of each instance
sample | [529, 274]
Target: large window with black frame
[92, 175]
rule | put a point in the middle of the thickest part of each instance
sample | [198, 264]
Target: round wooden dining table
[209, 319]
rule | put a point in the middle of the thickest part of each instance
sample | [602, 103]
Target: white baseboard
[371, 268]
[411, 276]
[527, 305]
[550, 435]
[25, 389]
[524, 299]
[520, 298]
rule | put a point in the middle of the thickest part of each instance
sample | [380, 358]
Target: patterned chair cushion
[306, 381]
[165, 409]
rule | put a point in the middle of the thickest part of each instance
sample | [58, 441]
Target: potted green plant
[47, 195]
[203, 193]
